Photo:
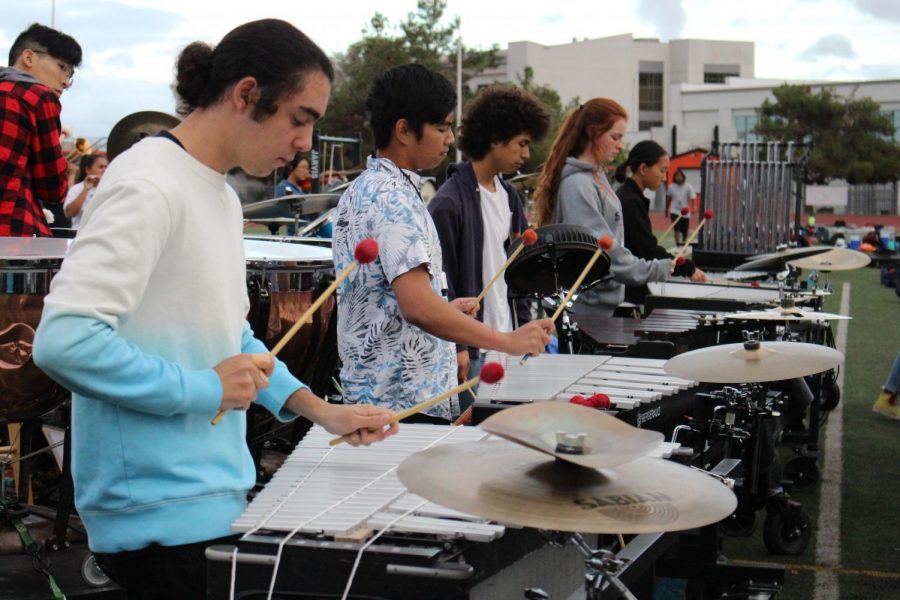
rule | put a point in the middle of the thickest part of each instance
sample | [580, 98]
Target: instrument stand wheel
[787, 528]
[831, 394]
[802, 470]
[741, 523]
[92, 574]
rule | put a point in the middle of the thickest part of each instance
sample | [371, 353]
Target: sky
[130, 45]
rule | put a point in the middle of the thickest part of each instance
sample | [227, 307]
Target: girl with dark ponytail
[574, 188]
[153, 295]
[645, 169]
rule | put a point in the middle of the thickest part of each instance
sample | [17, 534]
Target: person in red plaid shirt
[32, 166]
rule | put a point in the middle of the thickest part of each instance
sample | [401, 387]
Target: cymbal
[786, 314]
[836, 259]
[735, 363]
[775, 261]
[509, 483]
[136, 126]
[608, 441]
[793, 252]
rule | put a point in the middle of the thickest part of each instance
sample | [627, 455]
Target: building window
[713, 73]
[650, 91]
[744, 125]
[647, 125]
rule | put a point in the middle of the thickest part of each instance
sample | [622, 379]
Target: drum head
[277, 252]
[555, 261]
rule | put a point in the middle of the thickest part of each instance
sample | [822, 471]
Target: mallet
[365, 252]
[707, 216]
[491, 372]
[529, 237]
[604, 243]
[685, 211]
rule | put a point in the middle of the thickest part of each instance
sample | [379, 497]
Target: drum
[26, 267]
[555, 261]
[284, 277]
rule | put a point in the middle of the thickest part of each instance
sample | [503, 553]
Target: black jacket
[456, 211]
[639, 238]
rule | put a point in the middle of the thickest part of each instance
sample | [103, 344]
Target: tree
[422, 38]
[550, 97]
[851, 138]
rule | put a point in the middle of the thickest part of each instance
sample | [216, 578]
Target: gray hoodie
[13, 74]
[582, 201]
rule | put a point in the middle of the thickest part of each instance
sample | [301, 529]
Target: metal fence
[755, 189]
[872, 199]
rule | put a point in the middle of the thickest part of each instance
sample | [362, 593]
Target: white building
[696, 110]
[637, 73]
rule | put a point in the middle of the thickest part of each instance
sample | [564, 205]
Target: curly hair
[498, 114]
[594, 117]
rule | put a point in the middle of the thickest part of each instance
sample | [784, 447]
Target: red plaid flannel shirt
[32, 166]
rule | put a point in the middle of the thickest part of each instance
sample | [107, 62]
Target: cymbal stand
[603, 566]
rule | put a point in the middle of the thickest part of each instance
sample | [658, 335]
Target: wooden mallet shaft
[687, 244]
[363, 255]
[528, 238]
[682, 215]
[422, 405]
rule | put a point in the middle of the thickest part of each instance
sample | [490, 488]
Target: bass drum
[26, 267]
[555, 261]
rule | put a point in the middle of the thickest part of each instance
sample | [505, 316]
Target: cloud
[553, 19]
[667, 16]
[834, 45]
[883, 9]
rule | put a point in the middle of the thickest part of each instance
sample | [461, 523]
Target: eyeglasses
[67, 70]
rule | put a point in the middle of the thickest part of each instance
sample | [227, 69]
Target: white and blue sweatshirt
[150, 297]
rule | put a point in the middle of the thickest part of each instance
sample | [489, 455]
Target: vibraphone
[710, 296]
[661, 334]
[640, 391]
[313, 519]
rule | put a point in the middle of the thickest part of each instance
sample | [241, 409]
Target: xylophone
[640, 391]
[710, 296]
[313, 519]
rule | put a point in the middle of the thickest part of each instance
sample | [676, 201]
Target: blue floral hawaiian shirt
[386, 360]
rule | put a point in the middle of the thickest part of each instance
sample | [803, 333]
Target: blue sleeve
[281, 384]
[89, 358]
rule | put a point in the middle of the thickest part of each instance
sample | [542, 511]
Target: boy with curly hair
[477, 214]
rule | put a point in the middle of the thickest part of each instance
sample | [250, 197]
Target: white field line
[828, 528]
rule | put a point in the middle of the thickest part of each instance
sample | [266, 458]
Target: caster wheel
[787, 528]
[802, 471]
[92, 574]
[831, 394]
[740, 524]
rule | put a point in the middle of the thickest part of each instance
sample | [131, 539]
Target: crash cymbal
[135, 127]
[510, 483]
[607, 441]
[793, 252]
[836, 259]
[744, 363]
[775, 261]
[786, 314]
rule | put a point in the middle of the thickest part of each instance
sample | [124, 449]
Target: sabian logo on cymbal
[596, 502]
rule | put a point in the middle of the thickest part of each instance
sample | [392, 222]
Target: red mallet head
[529, 237]
[685, 211]
[599, 401]
[579, 399]
[679, 261]
[491, 372]
[708, 214]
[606, 242]
[366, 251]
